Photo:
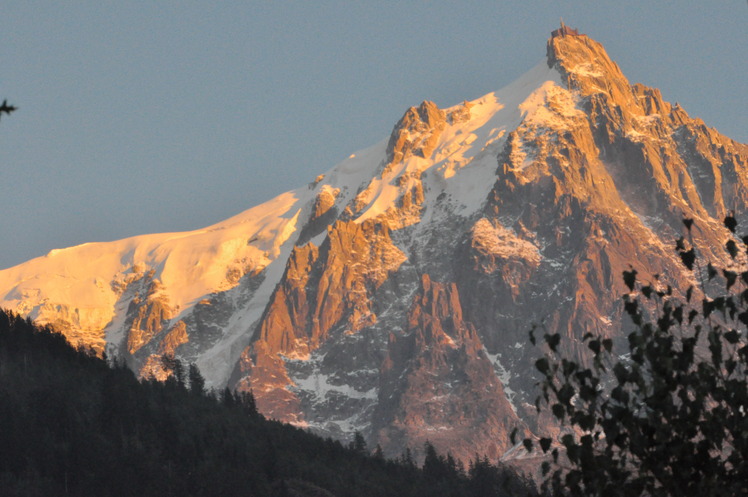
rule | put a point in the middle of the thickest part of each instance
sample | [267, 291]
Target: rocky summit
[393, 295]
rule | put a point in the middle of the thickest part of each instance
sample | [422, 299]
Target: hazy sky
[142, 117]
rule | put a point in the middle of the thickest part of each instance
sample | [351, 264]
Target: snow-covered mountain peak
[435, 160]
[454, 150]
[393, 293]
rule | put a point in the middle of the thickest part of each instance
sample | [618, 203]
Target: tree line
[72, 423]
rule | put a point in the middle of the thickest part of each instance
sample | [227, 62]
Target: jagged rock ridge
[393, 295]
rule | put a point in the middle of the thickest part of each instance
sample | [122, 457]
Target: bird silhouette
[4, 107]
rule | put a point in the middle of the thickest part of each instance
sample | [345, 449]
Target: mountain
[393, 295]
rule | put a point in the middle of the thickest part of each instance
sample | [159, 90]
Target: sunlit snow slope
[81, 287]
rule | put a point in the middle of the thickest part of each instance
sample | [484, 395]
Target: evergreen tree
[174, 368]
[358, 444]
[433, 465]
[197, 382]
[248, 403]
[227, 398]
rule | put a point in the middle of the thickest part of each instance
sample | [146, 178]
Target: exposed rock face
[417, 133]
[393, 295]
[324, 213]
[149, 314]
[438, 385]
[323, 291]
[177, 336]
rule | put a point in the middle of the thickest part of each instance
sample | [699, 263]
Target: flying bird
[6, 108]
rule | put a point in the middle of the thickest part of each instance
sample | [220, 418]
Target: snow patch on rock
[495, 239]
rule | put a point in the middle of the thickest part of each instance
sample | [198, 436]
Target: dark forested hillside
[72, 424]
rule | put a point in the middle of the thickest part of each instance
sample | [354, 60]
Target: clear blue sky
[142, 117]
